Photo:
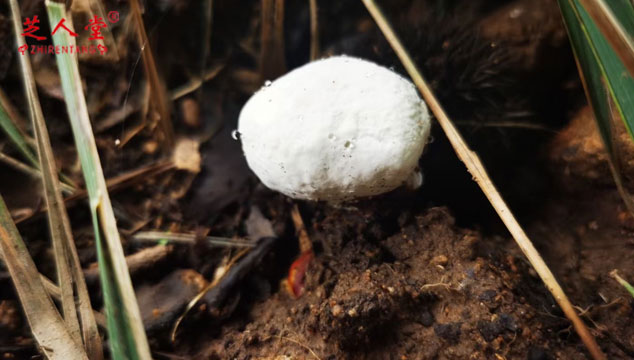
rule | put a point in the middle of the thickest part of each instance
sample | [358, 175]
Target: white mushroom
[334, 130]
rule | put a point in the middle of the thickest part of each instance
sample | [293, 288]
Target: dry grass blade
[48, 328]
[54, 291]
[196, 83]
[20, 166]
[157, 88]
[126, 334]
[477, 170]
[59, 224]
[191, 239]
[314, 31]
[206, 41]
[67, 263]
[272, 63]
[609, 25]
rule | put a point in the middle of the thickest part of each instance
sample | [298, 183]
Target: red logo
[31, 28]
[94, 25]
[113, 16]
[61, 25]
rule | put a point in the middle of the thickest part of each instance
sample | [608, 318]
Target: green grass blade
[15, 135]
[614, 19]
[126, 333]
[608, 85]
[47, 326]
[8, 119]
[619, 82]
[69, 273]
[623, 10]
[623, 282]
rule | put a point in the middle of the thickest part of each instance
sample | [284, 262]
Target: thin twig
[195, 83]
[477, 170]
[218, 290]
[154, 236]
[136, 262]
[440, 284]
[199, 296]
[506, 124]
[157, 88]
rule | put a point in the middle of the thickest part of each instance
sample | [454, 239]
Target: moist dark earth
[425, 274]
[413, 285]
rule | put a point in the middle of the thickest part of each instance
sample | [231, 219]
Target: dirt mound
[429, 290]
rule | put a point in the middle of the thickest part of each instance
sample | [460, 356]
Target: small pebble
[441, 260]
[336, 310]
[190, 110]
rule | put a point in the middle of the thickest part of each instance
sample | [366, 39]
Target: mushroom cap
[334, 130]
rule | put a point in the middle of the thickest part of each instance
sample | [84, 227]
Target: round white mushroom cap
[334, 130]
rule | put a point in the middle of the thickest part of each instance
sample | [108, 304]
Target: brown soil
[428, 289]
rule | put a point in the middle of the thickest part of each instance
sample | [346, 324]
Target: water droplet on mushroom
[349, 145]
[235, 134]
[267, 83]
[332, 137]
